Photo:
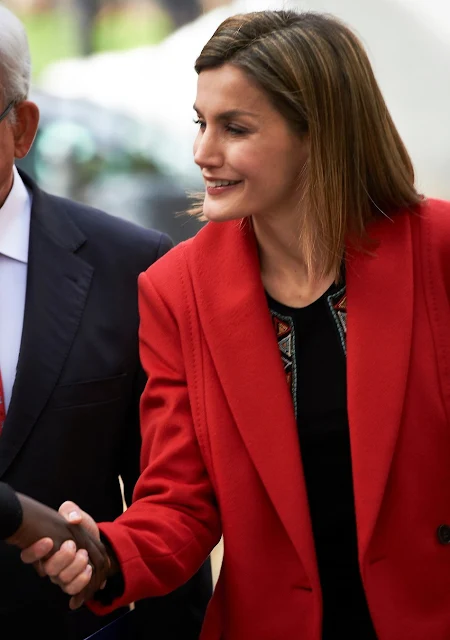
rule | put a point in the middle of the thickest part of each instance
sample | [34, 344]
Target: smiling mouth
[216, 187]
[221, 183]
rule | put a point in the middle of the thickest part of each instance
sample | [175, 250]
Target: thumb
[71, 512]
[74, 515]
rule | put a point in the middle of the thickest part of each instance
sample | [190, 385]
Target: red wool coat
[221, 449]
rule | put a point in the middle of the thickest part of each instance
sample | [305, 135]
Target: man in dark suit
[70, 377]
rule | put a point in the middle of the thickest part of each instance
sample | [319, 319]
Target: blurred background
[115, 84]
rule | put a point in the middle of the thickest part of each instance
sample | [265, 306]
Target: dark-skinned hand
[40, 521]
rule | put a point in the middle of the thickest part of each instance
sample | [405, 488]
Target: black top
[312, 347]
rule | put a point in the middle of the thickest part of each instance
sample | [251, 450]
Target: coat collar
[236, 322]
[380, 297]
[238, 328]
[57, 286]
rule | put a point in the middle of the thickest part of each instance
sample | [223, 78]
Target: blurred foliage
[53, 34]
[125, 29]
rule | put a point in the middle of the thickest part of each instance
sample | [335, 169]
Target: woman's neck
[284, 272]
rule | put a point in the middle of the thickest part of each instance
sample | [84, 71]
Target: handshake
[66, 548]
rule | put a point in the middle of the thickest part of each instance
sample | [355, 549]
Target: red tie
[2, 405]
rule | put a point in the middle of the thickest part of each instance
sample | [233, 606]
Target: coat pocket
[88, 392]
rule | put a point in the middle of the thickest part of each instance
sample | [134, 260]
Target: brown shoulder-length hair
[318, 76]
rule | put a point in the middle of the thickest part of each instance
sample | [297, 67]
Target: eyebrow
[228, 115]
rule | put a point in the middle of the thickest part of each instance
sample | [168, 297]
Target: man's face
[17, 132]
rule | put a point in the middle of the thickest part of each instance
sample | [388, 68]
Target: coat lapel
[236, 321]
[57, 286]
[379, 333]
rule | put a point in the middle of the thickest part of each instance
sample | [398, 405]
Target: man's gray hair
[15, 61]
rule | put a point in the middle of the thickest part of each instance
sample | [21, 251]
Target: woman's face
[250, 160]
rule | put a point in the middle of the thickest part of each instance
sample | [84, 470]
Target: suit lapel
[380, 317]
[57, 286]
[238, 329]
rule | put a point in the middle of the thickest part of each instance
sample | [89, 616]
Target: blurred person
[87, 12]
[69, 365]
[182, 11]
[298, 350]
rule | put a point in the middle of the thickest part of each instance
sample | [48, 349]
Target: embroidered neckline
[285, 334]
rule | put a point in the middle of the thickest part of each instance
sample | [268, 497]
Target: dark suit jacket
[72, 426]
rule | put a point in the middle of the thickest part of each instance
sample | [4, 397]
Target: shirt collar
[15, 222]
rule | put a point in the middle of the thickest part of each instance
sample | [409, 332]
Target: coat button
[443, 533]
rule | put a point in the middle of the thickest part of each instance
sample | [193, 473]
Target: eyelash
[234, 131]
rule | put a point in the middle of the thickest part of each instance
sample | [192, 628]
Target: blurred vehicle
[109, 160]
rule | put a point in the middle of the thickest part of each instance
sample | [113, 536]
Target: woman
[298, 355]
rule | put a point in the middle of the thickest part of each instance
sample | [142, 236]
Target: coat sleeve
[173, 523]
[10, 511]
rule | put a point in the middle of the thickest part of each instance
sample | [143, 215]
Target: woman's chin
[221, 214]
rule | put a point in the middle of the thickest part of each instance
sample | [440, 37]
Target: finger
[90, 590]
[97, 557]
[39, 568]
[76, 602]
[73, 570]
[71, 512]
[61, 559]
[37, 551]
[98, 581]
[77, 585]
[76, 516]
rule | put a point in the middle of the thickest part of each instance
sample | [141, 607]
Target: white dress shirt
[14, 240]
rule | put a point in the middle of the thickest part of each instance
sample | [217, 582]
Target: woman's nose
[207, 150]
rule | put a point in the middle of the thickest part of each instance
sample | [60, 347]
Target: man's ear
[25, 126]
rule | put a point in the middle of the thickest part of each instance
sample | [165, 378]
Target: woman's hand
[78, 568]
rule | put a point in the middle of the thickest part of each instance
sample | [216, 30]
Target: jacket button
[443, 533]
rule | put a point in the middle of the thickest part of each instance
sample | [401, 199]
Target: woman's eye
[235, 131]
[230, 128]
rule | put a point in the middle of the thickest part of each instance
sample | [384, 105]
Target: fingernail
[84, 554]
[88, 569]
[70, 545]
[45, 546]
[73, 515]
